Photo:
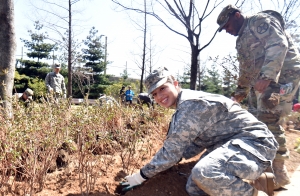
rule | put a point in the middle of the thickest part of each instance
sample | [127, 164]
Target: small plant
[31, 142]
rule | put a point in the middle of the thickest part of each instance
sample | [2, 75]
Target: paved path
[292, 189]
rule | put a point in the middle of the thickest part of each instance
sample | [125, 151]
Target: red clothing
[296, 107]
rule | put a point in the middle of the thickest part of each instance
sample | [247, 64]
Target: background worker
[122, 94]
[238, 146]
[26, 97]
[129, 95]
[270, 64]
[296, 107]
[143, 98]
[55, 83]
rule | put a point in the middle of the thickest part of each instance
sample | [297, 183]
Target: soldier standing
[270, 63]
[55, 83]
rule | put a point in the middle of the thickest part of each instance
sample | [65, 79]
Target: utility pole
[105, 55]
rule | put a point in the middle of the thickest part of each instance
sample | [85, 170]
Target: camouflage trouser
[221, 172]
[54, 97]
[252, 106]
[272, 107]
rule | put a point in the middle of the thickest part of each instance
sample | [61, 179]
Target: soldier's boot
[264, 184]
[281, 174]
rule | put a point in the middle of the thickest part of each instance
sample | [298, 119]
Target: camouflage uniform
[238, 146]
[266, 51]
[55, 84]
[26, 102]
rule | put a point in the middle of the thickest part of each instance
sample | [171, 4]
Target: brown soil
[170, 182]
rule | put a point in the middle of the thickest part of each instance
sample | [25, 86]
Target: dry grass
[30, 143]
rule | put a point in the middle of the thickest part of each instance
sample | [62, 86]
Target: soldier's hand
[132, 181]
[261, 85]
[238, 97]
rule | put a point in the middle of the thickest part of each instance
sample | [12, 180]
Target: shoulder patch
[262, 28]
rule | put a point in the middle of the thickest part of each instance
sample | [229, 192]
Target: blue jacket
[129, 95]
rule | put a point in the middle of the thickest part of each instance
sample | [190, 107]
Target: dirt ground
[170, 182]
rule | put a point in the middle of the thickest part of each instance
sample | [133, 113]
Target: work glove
[133, 180]
[238, 97]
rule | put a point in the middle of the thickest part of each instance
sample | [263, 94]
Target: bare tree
[59, 19]
[152, 60]
[84, 80]
[7, 53]
[141, 60]
[186, 13]
[144, 47]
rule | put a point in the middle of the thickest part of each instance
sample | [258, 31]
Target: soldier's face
[166, 95]
[56, 70]
[233, 25]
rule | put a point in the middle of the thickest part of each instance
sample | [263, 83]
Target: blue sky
[124, 39]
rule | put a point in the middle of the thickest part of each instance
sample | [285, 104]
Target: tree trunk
[7, 53]
[194, 66]
[144, 49]
[69, 90]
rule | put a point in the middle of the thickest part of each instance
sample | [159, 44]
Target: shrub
[94, 135]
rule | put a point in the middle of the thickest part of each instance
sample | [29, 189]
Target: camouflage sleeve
[192, 151]
[187, 123]
[269, 31]
[47, 82]
[63, 86]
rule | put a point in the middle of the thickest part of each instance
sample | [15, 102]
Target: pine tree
[212, 82]
[35, 70]
[184, 79]
[229, 83]
[37, 46]
[94, 53]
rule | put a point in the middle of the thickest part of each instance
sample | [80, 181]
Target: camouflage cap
[57, 66]
[29, 93]
[225, 14]
[157, 78]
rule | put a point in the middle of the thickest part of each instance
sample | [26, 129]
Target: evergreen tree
[212, 82]
[94, 55]
[229, 83]
[37, 46]
[184, 79]
[33, 71]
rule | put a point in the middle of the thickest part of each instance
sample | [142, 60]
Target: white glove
[64, 96]
[133, 181]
